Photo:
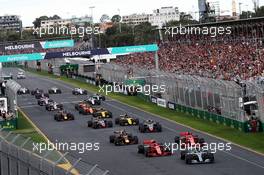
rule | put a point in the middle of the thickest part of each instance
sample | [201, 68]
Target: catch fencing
[216, 100]
[18, 157]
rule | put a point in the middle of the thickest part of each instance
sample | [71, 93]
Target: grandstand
[228, 57]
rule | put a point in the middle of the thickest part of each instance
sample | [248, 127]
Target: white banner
[161, 102]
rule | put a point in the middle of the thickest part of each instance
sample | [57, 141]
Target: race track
[125, 160]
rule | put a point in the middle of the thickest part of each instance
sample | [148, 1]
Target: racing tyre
[147, 152]
[57, 118]
[118, 141]
[137, 121]
[141, 128]
[95, 115]
[141, 149]
[112, 139]
[94, 126]
[71, 116]
[201, 140]
[123, 123]
[110, 124]
[188, 160]
[46, 95]
[117, 121]
[159, 128]
[90, 123]
[60, 107]
[211, 158]
[177, 139]
[182, 156]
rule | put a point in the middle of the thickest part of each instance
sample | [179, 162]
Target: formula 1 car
[41, 95]
[22, 91]
[98, 97]
[21, 75]
[44, 101]
[153, 149]
[63, 116]
[80, 105]
[149, 126]
[79, 91]
[85, 108]
[125, 120]
[102, 113]
[93, 101]
[54, 106]
[189, 139]
[37, 91]
[194, 155]
[123, 138]
[54, 90]
[97, 123]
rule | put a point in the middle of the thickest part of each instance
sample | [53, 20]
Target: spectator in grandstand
[219, 60]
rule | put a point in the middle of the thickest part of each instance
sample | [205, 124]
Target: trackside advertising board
[161, 102]
[79, 53]
[153, 99]
[69, 54]
[134, 49]
[171, 105]
[22, 57]
[49, 55]
[37, 45]
[57, 44]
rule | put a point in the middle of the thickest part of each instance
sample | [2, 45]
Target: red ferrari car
[151, 148]
[189, 139]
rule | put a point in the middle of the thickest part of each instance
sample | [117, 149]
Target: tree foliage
[104, 18]
[259, 12]
[37, 22]
[116, 19]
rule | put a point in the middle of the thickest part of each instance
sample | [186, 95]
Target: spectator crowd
[220, 60]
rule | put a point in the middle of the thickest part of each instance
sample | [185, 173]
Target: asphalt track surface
[125, 160]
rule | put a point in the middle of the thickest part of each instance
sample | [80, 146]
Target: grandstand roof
[230, 22]
[258, 19]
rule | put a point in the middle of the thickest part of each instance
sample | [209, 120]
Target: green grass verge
[25, 128]
[253, 141]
